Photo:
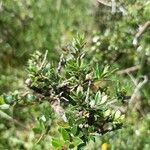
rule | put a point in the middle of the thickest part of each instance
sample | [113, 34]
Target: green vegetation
[62, 90]
[27, 26]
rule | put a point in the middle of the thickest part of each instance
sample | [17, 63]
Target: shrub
[84, 97]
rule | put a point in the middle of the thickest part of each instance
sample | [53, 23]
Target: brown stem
[140, 32]
[127, 70]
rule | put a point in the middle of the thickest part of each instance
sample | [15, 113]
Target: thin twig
[61, 63]
[88, 91]
[113, 9]
[140, 32]
[142, 29]
[122, 109]
[137, 89]
[58, 109]
[111, 102]
[133, 79]
[104, 2]
[40, 138]
[44, 59]
[114, 6]
[128, 70]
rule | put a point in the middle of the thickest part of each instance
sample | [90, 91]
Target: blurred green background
[30, 25]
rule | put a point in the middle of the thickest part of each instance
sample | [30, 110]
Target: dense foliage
[89, 94]
[80, 95]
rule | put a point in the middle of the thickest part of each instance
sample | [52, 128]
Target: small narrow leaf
[97, 97]
[64, 134]
[104, 99]
[77, 141]
[74, 130]
[117, 114]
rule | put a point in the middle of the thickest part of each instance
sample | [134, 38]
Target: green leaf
[97, 97]
[74, 130]
[77, 141]
[30, 98]
[117, 114]
[80, 121]
[57, 143]
[70, 120]
[80, 134]
[105, 71]
[63, 124]
[8, 99]
[42, 118]
[2, 100]
[64, 134]
[37, 130]
[104, 99]
[71, 146]
[92, 103]
[97, 72]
